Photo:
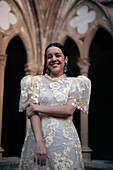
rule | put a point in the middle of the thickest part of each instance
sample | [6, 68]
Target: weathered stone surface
[10, 163]
[41, 22]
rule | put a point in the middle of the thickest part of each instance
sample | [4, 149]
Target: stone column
[84, 64]
[2, 70]
[31, 69]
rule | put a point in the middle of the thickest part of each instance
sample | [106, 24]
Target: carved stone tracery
[45, 22]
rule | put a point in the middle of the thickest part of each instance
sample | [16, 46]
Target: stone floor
[11, 163]
[99, 164]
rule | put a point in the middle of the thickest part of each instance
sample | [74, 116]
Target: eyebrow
[55, 53]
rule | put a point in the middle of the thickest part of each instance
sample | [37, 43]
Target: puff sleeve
[30, 86]
[80, 92]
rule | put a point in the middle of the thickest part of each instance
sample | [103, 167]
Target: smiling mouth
[54, 64]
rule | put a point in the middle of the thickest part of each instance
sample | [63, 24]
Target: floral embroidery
[30, 87]
[26, 89]
[53, 126]
[59, 96]
[79, 105]
[66, 151]
[62, 161]
[60, 136]
[54, 85]
[55, 89]
[56, 78]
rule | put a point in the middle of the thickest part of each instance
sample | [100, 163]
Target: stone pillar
[84, 64]
[2, 70]
[31, 69]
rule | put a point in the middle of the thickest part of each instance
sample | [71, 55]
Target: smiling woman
[50, 101]
[56, 61]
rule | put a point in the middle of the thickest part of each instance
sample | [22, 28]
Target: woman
[50, 101]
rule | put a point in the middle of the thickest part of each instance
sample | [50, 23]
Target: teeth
[54, 64]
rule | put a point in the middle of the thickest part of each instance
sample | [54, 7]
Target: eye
[58, 55]
[49, 56]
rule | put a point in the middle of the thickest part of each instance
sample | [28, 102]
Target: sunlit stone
[83, 18]
[6, 17]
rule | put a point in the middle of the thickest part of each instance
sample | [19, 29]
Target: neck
[55, 75]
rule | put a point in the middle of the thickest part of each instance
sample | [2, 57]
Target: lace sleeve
[80, 92]
[29, 91]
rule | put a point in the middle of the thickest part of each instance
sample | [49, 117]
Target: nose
[54, 58]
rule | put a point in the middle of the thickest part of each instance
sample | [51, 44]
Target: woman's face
[56, 61]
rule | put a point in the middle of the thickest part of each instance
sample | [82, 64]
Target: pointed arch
[73, 54]
[100, 112]
[13, 124]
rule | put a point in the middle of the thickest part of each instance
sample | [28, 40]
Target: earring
[65, 67]
[47, 70]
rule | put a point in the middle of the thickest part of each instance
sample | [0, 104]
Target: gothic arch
[13, 124]
[23, 26]
[73, 53]
[100, 112]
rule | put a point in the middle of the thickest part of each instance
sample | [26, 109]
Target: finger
[47, 156]
[35, 157]
[43, 159]
[39, 159]
[29, 117]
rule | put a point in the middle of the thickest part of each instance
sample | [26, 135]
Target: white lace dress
[59, 134]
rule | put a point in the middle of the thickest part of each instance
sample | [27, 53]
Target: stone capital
[32, 69]
[84, 64]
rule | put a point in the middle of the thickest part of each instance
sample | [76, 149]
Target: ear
[66, 59]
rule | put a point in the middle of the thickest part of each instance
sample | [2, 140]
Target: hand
[31, 110]
[41, 154]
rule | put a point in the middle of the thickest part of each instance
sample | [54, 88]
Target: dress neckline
[55, 78]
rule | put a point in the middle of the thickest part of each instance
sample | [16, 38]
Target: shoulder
[26, 79]
[84, 82]
[83, 78]
[30, 79]
[80, 80]
[37, 78]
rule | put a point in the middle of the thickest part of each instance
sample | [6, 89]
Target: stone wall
[39, 23]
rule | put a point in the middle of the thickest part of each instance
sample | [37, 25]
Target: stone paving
[99, 164]
[11, 163]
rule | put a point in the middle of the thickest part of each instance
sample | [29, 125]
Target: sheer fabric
[59, 134]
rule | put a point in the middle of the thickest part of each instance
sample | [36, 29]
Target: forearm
[60, 110]
[36, 126]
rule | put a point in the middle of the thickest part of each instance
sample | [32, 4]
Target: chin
[56, 73]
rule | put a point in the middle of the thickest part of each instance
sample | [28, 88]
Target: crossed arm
[59, 110]
[32, 112]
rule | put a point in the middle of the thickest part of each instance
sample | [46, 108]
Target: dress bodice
[44, 90]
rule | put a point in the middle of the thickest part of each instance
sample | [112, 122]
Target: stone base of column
[86, 153]
[1, 151]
